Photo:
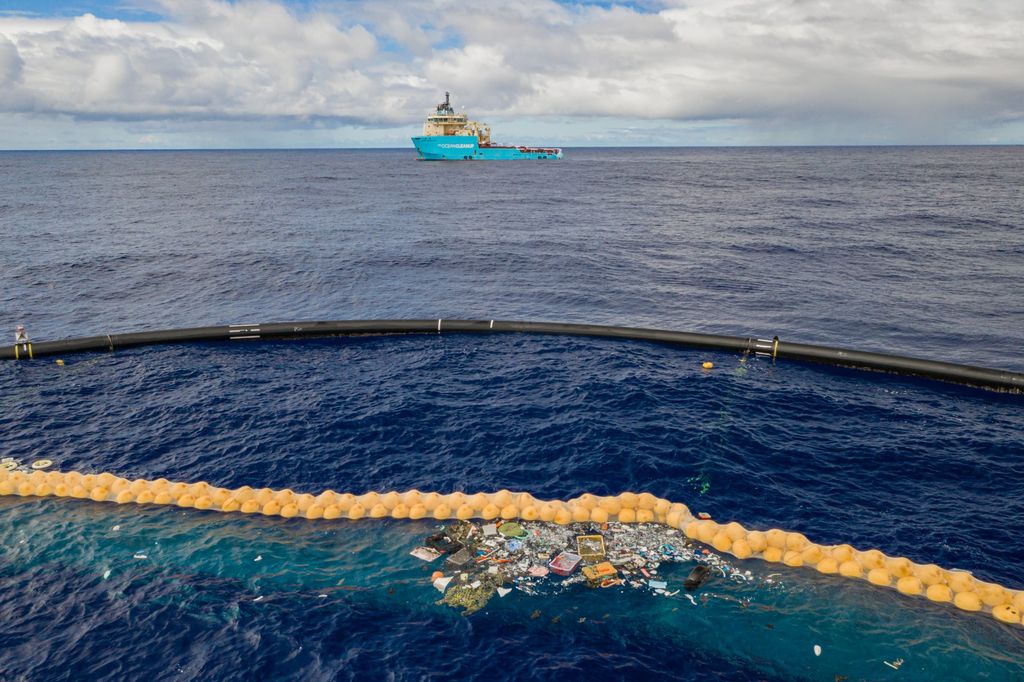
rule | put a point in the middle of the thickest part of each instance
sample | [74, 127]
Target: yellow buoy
[968, 601]
[959, 581]
[41, 464]
[850, 569]
[249, 506]
[757, 540]
[909, 584]
[706, 531]
[793, 558]
[871, 559]
[776, 538]
[721, 542]
[741, 549]
[879, 576]
[611, 504]
[708, 365]
[1007, 614]
[811, 554]
[796, 541]
[939, 592]
[929, 574]
[842, 553]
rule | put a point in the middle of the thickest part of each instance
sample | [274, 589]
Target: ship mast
[445, 107]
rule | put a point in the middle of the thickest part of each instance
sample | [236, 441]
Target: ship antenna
[446, 102]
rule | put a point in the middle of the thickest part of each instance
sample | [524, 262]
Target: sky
[140, 74]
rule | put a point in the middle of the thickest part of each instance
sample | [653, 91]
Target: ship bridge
[446, 122]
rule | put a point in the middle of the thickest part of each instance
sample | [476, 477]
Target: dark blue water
[917, 251]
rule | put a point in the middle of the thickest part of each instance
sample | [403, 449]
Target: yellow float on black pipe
[959, 588]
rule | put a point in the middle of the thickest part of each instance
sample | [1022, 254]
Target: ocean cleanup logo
[455, 146]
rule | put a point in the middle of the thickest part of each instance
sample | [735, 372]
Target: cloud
[889, 68]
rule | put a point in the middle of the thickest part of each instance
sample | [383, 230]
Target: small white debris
[817, 650]
[141, 556]
[441, 583]
[322, 596]
[259, 598]
[502, 591]
[258, 558]
[106, 574]
[116, 528]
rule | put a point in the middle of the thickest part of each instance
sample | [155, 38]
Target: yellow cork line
[958, 588]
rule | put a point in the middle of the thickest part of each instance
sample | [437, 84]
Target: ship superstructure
[450, 136]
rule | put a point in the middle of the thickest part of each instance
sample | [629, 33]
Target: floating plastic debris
[483, 563]
[425, 553]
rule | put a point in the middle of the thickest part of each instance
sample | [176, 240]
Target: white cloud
[887, 70]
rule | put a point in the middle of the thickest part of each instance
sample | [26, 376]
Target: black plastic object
[995, 379]
[698, 576]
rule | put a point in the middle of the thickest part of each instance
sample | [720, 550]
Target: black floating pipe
[983, 377]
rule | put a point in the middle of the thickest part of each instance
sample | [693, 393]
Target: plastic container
[565, 563]
[590, 547]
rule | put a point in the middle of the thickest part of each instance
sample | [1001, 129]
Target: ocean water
[917, 251]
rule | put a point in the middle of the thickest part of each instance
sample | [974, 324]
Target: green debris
[701, 482]
[473, 596]
[512, 530]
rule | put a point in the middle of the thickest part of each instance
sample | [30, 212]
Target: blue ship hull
[467, 147]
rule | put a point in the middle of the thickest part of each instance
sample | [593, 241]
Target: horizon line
[410, 149]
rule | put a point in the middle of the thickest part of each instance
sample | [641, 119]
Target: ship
[448, 136]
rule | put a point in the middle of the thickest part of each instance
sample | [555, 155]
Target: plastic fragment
[423, 553]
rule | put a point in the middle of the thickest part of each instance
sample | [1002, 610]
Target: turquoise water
[157, 567]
